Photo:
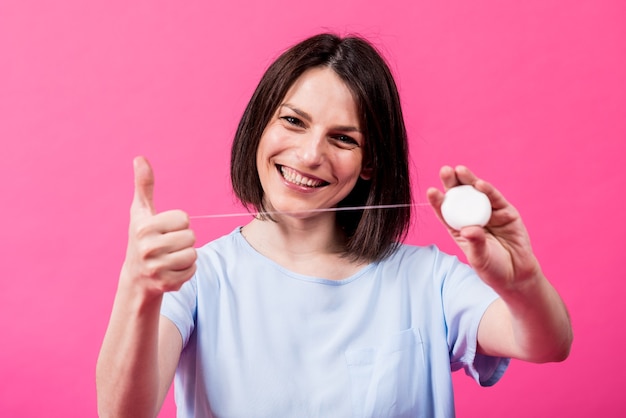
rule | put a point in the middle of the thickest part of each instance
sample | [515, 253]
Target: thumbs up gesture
[160, 256]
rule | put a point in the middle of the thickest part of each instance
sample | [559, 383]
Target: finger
[183, 260]
[497, 199]
[448, 178]
[164, 244]
[159, 224]
[476, 251]
[143, 199]
[464, 175]
[166, 266]
[172, 271]
[171, 220]
[435, 198]
[174, 280]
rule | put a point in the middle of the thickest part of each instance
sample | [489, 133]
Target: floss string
[347, 208]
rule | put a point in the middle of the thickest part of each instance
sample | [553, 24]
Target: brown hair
[372, 234]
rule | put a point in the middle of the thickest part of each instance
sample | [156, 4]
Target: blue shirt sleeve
[466, 298]
[181, 307]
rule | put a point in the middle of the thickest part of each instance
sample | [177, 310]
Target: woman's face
[311, 153]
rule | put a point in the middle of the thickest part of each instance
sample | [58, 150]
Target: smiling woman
[312, 311]
[305, 148]
[367, 110]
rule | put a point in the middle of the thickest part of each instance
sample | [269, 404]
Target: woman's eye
[346, 141]
[292, 120]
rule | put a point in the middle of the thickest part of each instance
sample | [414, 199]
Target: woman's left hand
[500, 252]
[529, 321]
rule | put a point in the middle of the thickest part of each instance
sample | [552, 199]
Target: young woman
[311, 312]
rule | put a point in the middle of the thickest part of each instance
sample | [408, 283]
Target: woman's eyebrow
[308, 118]
[298, 111]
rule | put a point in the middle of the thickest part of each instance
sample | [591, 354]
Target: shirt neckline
[241, 240]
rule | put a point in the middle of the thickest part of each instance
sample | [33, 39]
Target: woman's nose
[312, 149]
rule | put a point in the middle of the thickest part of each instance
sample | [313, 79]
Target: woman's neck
[297, 237]
[312, 247]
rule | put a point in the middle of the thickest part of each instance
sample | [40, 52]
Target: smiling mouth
[294, 177]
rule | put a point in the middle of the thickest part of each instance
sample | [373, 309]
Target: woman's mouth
[294, 177]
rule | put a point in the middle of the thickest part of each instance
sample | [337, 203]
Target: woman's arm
[140, 348]
[529, 321]
[137, 362]
[531, 324]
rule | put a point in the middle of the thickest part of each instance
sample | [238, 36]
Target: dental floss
[340, 209]
[462, 206]
[465, 206]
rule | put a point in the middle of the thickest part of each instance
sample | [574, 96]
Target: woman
[306, 311]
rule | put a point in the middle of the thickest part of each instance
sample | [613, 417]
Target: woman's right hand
[160, 256]
[140, 351]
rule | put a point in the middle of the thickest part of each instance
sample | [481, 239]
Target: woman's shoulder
[423, 257]
[223, 242]
[220, 250]
[403, 250]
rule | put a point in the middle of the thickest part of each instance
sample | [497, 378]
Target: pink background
[531, 95]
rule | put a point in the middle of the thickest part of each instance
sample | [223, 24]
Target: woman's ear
[366, 172]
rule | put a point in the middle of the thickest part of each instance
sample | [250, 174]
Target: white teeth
[296, 178]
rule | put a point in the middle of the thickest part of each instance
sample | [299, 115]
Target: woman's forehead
[321, 92]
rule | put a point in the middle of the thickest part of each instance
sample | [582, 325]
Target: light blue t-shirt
[262, 341]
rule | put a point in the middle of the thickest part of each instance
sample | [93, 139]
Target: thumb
[144, 186]
[477, 248]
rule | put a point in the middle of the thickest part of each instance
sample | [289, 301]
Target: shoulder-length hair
[372, 234]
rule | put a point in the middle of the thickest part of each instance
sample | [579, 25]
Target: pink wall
[531, 95]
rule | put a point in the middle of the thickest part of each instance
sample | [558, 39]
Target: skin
[140, 350]
[315, 134]
[529, 321]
